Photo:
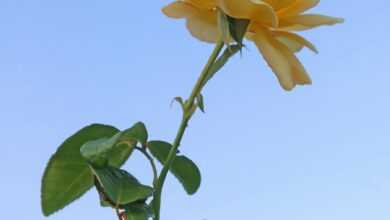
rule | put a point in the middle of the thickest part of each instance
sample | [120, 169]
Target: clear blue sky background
[320, 152]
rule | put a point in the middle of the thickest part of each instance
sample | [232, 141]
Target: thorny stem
[187, 114]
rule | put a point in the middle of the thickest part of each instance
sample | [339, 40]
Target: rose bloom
[272, 26]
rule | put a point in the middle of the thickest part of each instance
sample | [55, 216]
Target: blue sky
[320, 152]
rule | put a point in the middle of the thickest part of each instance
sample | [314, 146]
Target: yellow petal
[299, 73]
[255, 10]
[298, 7]
[202, 24]
[293, 41]
[307, 21]
[291, 44]
[179, 9]
[203, 4]
[275, 58]
[279, 4]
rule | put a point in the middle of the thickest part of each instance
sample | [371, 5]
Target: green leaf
[238, 28]
[67, 175]
[110, 150]
[200, 102]
[104, 200]
[180, 101]
[138, 211]
[138, 132]
[182, 168]
[136, 214]
[232, 29]
[120, 186]
[120, 153]
[98, 151]
[224, 26]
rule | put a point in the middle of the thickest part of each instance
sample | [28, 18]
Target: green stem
[151, 161]
[187, 114]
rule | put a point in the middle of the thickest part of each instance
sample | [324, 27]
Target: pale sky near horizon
[321, 152]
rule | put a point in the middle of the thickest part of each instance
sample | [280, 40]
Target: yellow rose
[272, 23]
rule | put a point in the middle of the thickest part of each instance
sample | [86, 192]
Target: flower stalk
[187, 115]
[102, 149]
